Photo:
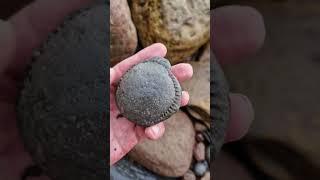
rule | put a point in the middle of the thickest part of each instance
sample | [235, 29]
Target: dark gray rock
[62, 108]
[149, 93]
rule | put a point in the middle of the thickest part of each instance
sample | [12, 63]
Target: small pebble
[199, 127]
[208, 154]
[199, 151]
[200, 168]
[206, 176]
[189, 175]
[199, 137]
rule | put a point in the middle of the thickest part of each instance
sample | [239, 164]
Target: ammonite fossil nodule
[149, 93]
[63, 106]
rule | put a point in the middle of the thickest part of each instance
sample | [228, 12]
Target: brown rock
[199, 137]
[199, 86]
[189, 175]
[199, 127]
[206, 176]
[171, 155]
[182, 27]
[199, 152]
[123, 40]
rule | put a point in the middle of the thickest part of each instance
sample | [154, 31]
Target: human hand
[124, 134]
[237, 32]
[22, 33]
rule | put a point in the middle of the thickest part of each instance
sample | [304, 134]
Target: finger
[237, 32]
[112, 75]
[242, 115]
[33, 23]
[155, 132]
[7, 44]
[182, 71]
[185, 98]
[153, 50]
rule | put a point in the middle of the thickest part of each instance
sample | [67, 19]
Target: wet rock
[149, 92]
[189, 175]
[199, 151]
[124, 40]
[63, 102]
[182, 27]
[171, 155]
[200, 168]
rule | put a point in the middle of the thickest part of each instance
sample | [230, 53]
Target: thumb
[7, 44]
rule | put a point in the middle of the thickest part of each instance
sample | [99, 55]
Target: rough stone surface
[208, 154]
[189, 175]
[124, 40]
[149, 93]
[64, 101]
[183, 26]
[199, 151]
[200, 168]
[171, 155]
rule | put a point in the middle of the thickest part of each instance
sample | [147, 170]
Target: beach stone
[200, 168]
[189, 175]
[149, 93]
[206, 176]
[199, 137]
[171, 155]
[63, 104]
[199, 127]
[199, 151]
[198, 86]
[123, 34]
[183, 26]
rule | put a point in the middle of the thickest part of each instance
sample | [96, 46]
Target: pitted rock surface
[183, 26]
[149, 93]
[63, 106]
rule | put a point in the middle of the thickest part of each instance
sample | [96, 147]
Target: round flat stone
[149, 93]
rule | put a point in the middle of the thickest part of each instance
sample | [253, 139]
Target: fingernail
[155, 131]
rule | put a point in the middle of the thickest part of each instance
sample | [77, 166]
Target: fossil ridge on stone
[149, 93]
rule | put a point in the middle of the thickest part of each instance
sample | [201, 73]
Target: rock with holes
[171, 155]
[183, 26]
[149, 93]
[62, 107]
[123, 39]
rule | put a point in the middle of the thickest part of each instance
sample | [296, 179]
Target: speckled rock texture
[63, 106]
[171, 155]
[124, 40]
[149, 93]
[220, 106]
[183, 26]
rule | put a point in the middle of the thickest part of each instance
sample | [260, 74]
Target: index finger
[153, 50]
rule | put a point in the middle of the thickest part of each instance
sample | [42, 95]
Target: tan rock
[171, 155]
[189, 175]
[183, 26]
[206, 176]
[199, 152]
[199, 85]
[123, 34]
